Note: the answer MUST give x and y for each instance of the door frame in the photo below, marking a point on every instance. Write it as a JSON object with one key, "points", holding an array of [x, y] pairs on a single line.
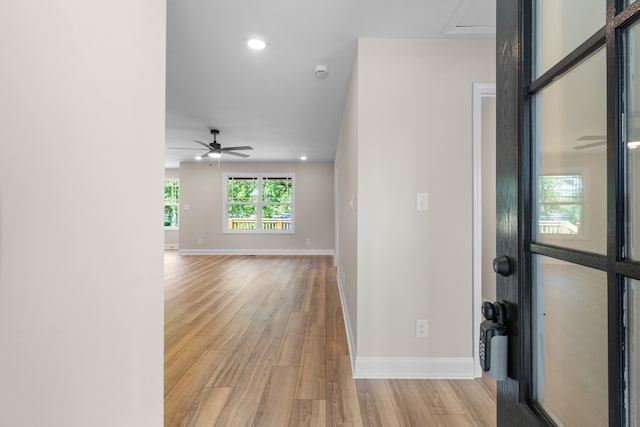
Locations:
{"points": [[480, 91]]}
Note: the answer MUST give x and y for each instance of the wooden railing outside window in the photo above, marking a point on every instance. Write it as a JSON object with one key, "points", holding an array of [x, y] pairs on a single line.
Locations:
{"points": [[267, 224]]}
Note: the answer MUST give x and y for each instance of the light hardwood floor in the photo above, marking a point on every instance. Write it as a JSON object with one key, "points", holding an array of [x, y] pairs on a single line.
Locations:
{"points": [[260, 341]]}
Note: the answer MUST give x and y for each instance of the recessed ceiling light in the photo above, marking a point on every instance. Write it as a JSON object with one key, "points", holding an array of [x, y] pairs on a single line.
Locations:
{"points": [[303, 157], [198, 157], [256, 44]]}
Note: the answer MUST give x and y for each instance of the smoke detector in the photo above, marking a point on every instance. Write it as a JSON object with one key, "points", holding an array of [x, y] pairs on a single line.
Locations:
{"points": [[321, 71]]}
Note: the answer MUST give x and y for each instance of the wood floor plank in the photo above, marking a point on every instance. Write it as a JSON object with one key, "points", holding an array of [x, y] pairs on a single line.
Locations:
{"points": [[261, 340], [208, 411], [291, 347], [177, 344], [336, 337], [376, 405], [236, 360], [277, 399], [243, 402], [230, 333], [440, 397], [309, 413], [178, 367], [477, 400], [309, 289], [453, 421], [224, 315], [277, 323], [410, 408], [182, 397], [342, 396], [312, 376], [317, 307], [268, 304]]}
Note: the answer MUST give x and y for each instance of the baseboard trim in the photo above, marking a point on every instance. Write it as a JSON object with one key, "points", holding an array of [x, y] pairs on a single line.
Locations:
{"points": [[414, 368], [255, 252], [347, 323], [171, 246]]}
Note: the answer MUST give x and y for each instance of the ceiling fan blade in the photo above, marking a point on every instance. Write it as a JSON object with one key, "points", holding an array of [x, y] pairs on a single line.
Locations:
{"points": [[233, 153], [592, 137], [589, 145], [244, 147], [203, 144]]}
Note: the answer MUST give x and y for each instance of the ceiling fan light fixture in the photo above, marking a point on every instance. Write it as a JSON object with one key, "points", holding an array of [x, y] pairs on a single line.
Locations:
{"points": [[214, 155], [632, 145], [321, 71], [256, 43]]}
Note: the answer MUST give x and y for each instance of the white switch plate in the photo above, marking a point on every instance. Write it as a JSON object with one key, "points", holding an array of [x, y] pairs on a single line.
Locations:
{"points": [[422, 201], [422, 329]]}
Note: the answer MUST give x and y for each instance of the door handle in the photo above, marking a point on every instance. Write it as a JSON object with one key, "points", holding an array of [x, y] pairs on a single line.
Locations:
{"points": [[502, 266]]}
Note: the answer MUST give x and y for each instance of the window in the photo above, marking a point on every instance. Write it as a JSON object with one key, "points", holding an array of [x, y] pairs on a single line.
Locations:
{"points": [[259, 203], [171, 203], [560, 204]]}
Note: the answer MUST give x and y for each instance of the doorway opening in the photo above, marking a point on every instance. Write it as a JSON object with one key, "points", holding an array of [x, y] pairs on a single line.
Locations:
{"points": [[484, 204]]}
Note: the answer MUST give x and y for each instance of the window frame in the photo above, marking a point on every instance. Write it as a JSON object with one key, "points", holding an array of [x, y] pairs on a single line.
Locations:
{"points": [[260, 177], [176, 204]]}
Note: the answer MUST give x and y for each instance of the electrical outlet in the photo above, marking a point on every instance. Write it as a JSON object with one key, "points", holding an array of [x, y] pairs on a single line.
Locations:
{"points": [[422, 329], [200, 240], [307, 241]]}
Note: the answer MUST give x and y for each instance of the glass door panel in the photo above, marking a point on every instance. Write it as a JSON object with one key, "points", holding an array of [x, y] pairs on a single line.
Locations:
{"points": [[561, 26], [632, 139], [570, 159], [632, 151], [571, 342], [633, 351]]}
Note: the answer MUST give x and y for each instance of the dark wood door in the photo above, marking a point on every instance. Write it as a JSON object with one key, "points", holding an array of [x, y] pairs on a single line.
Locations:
{"points": [[509, 147], [568, 197]]}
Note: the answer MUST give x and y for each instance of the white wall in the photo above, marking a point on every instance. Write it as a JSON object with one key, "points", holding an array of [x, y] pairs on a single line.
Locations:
{"points": [[414, 134], [346, 171], [201, 187], [81, 294]]}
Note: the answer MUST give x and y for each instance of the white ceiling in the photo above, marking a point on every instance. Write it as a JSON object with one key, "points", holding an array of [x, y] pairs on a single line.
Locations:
{"points": [[270, 99]]}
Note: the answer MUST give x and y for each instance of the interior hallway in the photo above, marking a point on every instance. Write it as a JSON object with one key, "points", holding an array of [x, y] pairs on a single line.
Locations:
{"points": [[260, 340]]}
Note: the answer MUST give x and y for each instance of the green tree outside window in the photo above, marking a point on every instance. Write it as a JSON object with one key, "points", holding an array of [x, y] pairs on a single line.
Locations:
{"points": [[171, 202]]}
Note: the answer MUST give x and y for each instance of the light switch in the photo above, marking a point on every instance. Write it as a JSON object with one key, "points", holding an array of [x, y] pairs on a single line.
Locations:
{"points": [[422, 201], [186, 206]]}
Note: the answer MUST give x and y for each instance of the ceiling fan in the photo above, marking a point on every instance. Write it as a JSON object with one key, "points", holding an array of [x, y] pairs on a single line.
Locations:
{"points": [[595, 141], [216, 150]]}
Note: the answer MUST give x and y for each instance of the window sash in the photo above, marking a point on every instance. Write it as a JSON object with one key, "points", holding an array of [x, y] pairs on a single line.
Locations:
{"points": [[265, 214], [172, 200], [561, 191]]}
